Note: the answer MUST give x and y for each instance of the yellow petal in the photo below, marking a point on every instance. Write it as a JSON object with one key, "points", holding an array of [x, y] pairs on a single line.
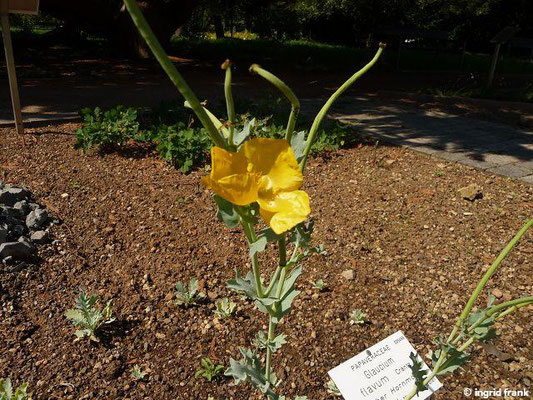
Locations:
{"points": [[275, 161], [229, 177], [285, 210], [225, 163]]}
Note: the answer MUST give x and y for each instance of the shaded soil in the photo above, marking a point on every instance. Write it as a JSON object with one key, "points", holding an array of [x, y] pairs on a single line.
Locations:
{"points": [[132, 227]]}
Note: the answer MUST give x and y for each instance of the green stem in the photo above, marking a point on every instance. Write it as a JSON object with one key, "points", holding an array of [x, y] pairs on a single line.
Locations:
{"points": [[172, 72], [486, 278], [219, 125], [289, 94], [513, 303], [322, 113], [273, 281], [249, 232], [230, 105], [511, 307], [282, 249]]}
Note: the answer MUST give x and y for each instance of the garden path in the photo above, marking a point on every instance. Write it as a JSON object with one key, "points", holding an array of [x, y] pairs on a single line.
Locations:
{"points": [[494, 147]]}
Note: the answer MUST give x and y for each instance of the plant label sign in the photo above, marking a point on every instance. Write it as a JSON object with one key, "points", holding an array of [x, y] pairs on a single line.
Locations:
{"points": [[381, 372]]}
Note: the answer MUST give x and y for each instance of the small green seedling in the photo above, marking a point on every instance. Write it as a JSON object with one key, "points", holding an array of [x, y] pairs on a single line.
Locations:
{"points": [[333, 389], [188, 295], [357, 317], [87, 317], [225, 308], [319, 285], [208, 370], [137, 373], [438, 173], [6, 391]]}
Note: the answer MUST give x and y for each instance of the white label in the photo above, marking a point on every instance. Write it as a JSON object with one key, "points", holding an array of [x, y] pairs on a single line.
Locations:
{"points": [[381, 372]]}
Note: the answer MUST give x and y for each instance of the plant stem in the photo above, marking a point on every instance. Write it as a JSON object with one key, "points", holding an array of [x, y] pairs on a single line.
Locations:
{"points": [[172, 72], [273, 280], [486, 278], [249, 232], [282, 249], [322, 113], [229, 100], [512, 309], [511, 306], [219, 125], [289, 94]]}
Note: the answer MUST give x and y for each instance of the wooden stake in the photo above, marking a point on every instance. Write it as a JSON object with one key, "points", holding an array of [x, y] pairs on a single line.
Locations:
{"points": [[10, 62]]}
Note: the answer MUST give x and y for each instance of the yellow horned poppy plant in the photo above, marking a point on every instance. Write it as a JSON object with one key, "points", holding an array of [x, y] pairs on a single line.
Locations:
{"points": [[266, 171]]}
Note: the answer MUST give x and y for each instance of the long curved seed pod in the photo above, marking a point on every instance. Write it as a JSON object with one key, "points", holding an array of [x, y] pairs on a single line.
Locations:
{"points": [[172, 72]]}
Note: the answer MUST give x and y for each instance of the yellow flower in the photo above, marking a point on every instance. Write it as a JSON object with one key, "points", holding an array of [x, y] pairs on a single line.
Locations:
{"points": [[266, 171]]}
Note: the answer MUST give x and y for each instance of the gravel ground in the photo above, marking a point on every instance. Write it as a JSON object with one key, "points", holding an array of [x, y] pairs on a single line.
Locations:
{"points": [[131, 227]]}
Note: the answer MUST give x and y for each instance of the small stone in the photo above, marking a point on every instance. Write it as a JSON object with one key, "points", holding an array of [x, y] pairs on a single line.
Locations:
{"points": [[22, 206], [36, 218], [497, 293], [64, 195], [348, 274], [40, 237], [11, 196], [20, 250], [471, 192]]}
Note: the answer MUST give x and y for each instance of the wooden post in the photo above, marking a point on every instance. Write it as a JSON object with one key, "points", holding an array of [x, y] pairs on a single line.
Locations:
{"points": [[495, 57], [10, 63]]}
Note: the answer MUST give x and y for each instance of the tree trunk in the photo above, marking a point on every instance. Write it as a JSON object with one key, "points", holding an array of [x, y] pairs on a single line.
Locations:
{"points": [[219, 27]]}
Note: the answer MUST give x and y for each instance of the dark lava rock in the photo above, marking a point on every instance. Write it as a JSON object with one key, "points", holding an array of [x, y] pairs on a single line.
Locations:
{"points": [[40, 237], [10, 196], [36, 219], [20, 250]]}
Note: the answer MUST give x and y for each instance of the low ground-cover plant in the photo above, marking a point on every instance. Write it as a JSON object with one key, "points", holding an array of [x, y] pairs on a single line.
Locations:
{"points": [[106, 128], [187, 295], [7, 393], [357, 317], [137, 373], [182, 146], [319, 285], [224, 308], [208, 370], [89, 318]]}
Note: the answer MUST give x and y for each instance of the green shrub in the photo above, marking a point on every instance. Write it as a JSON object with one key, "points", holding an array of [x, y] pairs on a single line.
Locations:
{"points": [[106, 128], [184, 147]]}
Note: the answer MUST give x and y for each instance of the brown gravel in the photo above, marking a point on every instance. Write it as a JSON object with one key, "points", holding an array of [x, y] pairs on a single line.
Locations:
{"points": [[132, 227]]}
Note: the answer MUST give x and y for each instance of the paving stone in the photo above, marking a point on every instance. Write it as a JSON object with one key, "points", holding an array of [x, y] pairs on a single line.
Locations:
{"points": [[511, 170], [528, 178], [477, 163]]}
